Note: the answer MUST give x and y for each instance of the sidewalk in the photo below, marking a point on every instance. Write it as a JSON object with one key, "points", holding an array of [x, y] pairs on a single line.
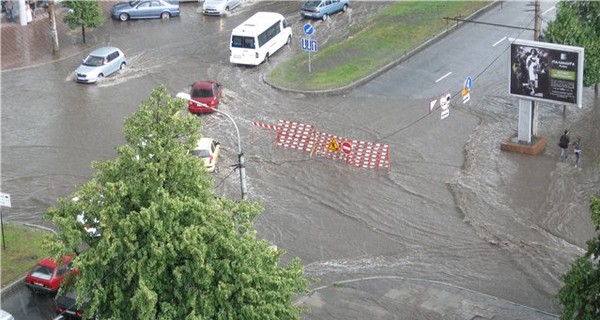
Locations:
{"points": [[31, 45]]}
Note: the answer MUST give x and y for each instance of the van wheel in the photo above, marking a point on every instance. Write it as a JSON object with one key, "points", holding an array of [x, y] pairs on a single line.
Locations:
{"points": [[266, 58], [123, 17], [324, 17], [345, 8], [165, 15], [289, 40], [123, 65]]}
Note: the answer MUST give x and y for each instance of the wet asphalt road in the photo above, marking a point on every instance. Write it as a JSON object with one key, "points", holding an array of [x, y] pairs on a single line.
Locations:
{"points": [[453, 208]]}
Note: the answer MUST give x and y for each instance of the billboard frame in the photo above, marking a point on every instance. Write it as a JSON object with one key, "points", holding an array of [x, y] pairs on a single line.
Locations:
{"points": [[545, 93]]}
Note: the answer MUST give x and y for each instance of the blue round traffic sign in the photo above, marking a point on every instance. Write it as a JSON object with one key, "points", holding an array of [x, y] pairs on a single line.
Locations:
{"points": [[308, 29], [468, 83]]}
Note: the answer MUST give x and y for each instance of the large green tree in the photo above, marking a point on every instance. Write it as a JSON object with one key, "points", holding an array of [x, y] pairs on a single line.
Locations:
{"points": [[83, 13], [580, 295], [577, 23], [168, 248]]}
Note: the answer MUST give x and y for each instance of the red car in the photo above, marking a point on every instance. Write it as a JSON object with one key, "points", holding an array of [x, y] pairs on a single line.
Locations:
{"points": [[47, 276], [207, 93]]}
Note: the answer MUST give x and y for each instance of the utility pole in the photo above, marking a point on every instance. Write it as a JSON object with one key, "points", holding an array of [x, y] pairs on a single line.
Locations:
{"points": [[53, 32]]}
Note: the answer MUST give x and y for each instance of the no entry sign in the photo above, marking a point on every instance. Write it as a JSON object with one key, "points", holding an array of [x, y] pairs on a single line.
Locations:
{"points": [[346, 147]]}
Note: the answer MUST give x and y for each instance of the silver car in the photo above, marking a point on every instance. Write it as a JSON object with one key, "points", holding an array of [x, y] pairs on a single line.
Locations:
{"points": [[100, 63], [219, 7]]}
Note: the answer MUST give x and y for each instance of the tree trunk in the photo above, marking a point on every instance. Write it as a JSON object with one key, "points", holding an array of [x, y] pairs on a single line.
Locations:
{"points": [[53, 33], [83, 32]]}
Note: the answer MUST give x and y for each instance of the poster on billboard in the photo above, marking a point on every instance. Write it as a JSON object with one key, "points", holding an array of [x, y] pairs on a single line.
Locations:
{"points": [[546, 72]]}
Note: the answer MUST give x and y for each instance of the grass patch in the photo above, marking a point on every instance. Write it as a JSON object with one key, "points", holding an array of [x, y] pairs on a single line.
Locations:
{"points": [[376, 42], [23, 250]]}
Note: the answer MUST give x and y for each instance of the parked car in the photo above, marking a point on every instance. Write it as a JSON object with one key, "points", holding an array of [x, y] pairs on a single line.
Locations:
{"points": [[219, 7], [207, 93], [68, 308], [145, 9], [100, 63], [46, 276], [92, 227], [5, 315], [322, 9], [208, 150]]}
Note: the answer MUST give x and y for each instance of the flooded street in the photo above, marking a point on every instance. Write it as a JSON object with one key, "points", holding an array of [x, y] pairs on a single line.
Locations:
{"points": [[453, 207]]}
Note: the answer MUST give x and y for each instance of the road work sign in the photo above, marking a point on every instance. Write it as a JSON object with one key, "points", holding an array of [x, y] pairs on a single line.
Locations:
{"points": [[333, 146]]}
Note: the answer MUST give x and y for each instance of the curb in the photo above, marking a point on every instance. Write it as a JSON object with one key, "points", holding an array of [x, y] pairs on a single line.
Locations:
{"points": [[17, 284], [426, 281], [349, 87]]}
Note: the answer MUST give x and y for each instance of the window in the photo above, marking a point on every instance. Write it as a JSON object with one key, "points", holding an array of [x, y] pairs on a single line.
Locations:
{"points": [[144, 5], [269, 34], [112, 56], [242, 42], [156, 4], [202, 93]]}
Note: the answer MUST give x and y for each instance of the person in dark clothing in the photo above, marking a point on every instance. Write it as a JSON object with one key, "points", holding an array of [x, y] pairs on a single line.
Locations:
{"points": [[563, 143]]}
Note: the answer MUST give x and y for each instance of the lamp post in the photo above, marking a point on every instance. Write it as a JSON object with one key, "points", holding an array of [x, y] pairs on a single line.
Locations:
{"points": [[241, 164]]}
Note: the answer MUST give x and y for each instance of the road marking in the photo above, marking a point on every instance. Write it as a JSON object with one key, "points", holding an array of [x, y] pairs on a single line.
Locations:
{"points": [[495, 44], [440, 79], [552, 8]]}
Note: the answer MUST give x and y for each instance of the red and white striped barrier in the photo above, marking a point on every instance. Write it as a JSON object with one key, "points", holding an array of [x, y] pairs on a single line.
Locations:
{"points": [[304, 137]]}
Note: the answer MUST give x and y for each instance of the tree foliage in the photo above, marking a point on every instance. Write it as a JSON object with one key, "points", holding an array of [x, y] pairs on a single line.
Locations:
{"points": [[577, 23], [169, 249], [83, 13], [580, 295]]}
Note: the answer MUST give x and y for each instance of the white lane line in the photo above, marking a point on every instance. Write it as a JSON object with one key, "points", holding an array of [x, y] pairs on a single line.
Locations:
{"points": [[495, 44], [552, 8], [440, 79]]}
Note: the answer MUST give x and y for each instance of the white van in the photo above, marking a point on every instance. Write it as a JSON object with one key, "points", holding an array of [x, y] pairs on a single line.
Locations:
{"points": [[257, 38]]}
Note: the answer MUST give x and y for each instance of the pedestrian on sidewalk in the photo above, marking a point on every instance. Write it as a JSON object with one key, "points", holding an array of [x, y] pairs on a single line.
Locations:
{"points": [[563, 143], [577, 148]]}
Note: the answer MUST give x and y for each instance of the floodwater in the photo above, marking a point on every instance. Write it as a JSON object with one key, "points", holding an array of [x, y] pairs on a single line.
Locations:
{"points": [[452, 208]]}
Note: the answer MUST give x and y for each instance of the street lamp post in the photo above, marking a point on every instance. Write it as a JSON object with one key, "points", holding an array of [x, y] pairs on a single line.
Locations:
{"points": [[241, 163]]}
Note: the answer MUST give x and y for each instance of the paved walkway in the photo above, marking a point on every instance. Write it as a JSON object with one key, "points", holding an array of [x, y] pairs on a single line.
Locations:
{"points": [[31, 45]]}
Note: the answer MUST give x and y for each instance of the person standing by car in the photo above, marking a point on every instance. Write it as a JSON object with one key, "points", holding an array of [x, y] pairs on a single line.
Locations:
{"points": [[577, 148], [563, 143]]}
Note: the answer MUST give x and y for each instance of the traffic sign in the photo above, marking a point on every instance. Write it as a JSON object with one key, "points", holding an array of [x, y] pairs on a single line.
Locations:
{"points": [[308, 29], [346, 147], [333, 145], [5, 199], [308, 44], [468, 84], [445, 113], [445, 101]]}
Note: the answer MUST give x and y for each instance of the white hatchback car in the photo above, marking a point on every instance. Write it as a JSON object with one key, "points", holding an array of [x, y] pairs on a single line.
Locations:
{"points": [[219, 7], [100, 63]]}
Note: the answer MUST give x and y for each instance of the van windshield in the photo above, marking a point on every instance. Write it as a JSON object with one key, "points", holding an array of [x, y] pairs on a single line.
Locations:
{"points": [[242, 42]]}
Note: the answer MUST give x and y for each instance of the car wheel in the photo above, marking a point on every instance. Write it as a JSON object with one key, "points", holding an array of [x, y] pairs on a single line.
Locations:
{"points": [[123, 65], [289, 40], [165, 15], [100, 76], [345, 8], [123, 17], [266, 58], [324, 17]]}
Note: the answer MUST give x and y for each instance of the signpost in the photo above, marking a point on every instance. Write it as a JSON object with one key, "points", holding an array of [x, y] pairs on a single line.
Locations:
{"points": [[466, 91], [309, 44], [4, 202], [445, 105]]}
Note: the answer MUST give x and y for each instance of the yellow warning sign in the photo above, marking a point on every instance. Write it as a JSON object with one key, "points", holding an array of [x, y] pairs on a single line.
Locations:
{"points": [[333, 145]]}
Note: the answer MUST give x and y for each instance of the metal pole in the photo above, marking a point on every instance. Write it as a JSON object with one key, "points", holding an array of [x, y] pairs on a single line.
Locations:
{"points": [[53, 33], [241, 164], [3, 234]]}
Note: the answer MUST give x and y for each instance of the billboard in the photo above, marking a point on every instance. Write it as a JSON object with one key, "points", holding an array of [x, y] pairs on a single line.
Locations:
{"points": [[546, 72]]}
